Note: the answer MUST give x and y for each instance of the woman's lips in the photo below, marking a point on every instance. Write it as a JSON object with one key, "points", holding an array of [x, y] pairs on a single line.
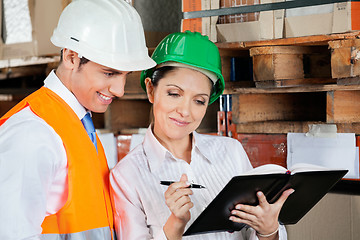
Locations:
{"points": [[179, 123]]}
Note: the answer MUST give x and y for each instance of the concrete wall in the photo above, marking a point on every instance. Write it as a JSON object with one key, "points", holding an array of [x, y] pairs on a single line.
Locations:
{"points": [[160, 15]]}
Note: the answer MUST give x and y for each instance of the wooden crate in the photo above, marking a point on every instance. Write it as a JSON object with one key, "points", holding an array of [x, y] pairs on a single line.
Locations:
{"points": [[279, 107], [282, 110], [284, 66], [298, 61], [334, 106], [343, 106], [296, 84]]}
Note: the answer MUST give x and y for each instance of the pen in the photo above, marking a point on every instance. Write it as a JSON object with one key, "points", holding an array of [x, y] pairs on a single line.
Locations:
{"points": [[192, 185]]}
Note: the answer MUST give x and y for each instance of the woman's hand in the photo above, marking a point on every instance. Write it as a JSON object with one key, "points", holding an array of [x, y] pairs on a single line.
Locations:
{"points": [[263, 217], [178, 200]]}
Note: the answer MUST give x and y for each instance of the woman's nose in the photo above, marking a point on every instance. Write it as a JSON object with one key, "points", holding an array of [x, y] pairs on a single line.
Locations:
{"points": [[184, 107]]}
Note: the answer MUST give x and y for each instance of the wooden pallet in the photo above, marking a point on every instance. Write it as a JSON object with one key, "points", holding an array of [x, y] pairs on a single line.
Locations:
{"points": [[282, 110], [290, 62], [299, 81], [318, 40], [284, 66], [345, 61], [32, 66]]}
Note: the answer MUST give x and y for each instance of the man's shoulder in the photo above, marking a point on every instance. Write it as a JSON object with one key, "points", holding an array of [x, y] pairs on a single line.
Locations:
{"points": [[25, 124], [24, 118]]}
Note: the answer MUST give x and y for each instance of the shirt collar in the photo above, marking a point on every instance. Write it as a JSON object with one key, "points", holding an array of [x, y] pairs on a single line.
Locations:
{"points": [[154, 151], [157, 153], [201, 143], [53, 83]]}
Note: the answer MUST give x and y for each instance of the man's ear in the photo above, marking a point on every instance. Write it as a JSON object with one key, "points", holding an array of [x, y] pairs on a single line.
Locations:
{"points": [[149, 89], [70, 59]]}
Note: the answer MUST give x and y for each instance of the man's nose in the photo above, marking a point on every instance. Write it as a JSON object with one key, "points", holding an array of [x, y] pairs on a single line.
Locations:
{"points": [[117, 86]]}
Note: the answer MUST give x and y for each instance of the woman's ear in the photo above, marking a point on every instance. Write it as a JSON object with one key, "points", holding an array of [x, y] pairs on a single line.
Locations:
{"points": [[149, 89], [70, 59]]}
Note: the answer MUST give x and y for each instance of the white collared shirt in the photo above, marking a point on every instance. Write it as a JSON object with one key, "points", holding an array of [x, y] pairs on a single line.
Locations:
{"points": [[33, 169], [140, 210]]}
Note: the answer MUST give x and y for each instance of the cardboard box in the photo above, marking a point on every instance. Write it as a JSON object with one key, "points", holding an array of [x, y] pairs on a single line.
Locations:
{"points": [[44, 17], [296, 22], [322, 19], [269, 26]]}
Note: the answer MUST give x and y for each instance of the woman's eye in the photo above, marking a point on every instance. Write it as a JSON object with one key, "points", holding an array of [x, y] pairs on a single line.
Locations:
{"points": [[172, 94], [200, 102]]}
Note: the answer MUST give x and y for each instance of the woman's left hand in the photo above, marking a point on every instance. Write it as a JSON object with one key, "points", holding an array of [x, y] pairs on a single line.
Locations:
{"points": [[263, 217]]}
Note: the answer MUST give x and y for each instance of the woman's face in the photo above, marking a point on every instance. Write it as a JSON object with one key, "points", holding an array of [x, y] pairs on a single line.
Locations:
{"points": [[179, 102]]}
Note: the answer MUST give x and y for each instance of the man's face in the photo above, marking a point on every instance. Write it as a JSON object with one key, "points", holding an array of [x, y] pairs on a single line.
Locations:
{"points": [[95, 86]]}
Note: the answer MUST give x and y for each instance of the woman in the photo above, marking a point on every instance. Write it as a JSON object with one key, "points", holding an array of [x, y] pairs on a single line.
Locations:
{"points": [[186, 79]]}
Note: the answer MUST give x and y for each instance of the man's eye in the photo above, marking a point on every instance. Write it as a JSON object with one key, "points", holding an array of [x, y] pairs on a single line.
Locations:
{"points": [[109, 74]]}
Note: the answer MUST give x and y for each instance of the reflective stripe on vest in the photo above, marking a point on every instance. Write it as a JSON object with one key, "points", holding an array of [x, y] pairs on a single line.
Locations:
{"points": [[98, 233], [88, 207]]}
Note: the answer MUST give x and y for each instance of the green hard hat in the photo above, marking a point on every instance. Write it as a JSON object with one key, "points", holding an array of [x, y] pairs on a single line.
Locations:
{"points": [[189, 48]]}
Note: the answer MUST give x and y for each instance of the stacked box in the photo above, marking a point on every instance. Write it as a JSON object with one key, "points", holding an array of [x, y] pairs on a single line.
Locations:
{"points": [[322, 19], [233, 28], [295, 22], [46, 16], [254, 26]]}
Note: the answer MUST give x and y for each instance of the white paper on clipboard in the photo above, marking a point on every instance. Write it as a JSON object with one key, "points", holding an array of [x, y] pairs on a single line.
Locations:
{"points": [[339, 152]]}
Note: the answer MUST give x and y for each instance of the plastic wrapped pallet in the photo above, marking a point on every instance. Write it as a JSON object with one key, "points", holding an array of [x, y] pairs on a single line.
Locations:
{"points": [[242, 17], [17, 22], [17, 32]]}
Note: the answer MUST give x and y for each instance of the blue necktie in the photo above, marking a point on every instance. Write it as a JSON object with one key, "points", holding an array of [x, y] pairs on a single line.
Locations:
{"points": [[89, 127]]}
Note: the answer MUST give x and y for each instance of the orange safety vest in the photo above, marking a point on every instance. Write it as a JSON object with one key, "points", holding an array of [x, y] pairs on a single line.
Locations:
{"points": [[87, 211]]}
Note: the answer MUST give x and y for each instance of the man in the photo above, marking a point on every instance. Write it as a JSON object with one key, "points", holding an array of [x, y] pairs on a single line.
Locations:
{"points": [[53, 171]]}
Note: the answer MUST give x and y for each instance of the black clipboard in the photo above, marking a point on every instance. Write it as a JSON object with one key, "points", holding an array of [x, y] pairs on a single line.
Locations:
{"points": [[309, 187]]}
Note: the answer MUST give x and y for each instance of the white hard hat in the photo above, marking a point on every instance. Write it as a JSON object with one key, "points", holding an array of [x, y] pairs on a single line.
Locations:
{"points": [[108, 32]]}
